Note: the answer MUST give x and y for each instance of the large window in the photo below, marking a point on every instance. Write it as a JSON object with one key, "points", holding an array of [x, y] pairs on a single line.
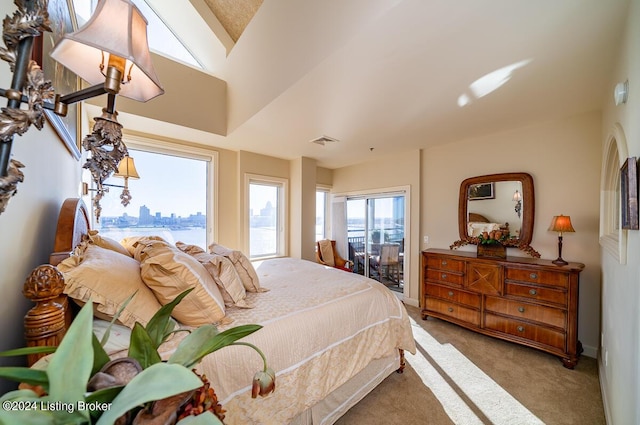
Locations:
{"points": [[172, 198], [322, 214], [266, 216]]}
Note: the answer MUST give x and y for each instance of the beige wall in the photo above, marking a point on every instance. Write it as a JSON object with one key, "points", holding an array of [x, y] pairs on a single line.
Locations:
{"points": [[397, 171], [620, 376], [563, 158], [27, 226]]}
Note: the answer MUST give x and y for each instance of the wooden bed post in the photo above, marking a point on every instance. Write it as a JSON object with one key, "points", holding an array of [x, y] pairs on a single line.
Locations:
{"points": [[46, 323]]}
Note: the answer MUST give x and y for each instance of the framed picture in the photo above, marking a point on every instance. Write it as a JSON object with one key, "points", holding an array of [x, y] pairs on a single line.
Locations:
{"points": [[481, 191], [63, 20], [629, 194]]}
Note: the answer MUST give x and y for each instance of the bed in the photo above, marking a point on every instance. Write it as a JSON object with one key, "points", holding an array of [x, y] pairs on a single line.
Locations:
{"points": [[330, 336], [478, 223]]}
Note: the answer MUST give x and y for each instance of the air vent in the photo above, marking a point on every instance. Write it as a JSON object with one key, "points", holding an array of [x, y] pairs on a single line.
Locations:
{"points": [[323, 139]]}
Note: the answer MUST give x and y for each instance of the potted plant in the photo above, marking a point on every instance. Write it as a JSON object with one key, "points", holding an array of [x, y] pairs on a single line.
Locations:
{"points": [[82, 385]]}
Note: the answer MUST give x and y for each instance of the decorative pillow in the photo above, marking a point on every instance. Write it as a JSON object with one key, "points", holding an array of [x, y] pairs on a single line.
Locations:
{"points": [[130, 243], [169, 272], [108, 278], [223, 273], [242, 265], [108, 243]]}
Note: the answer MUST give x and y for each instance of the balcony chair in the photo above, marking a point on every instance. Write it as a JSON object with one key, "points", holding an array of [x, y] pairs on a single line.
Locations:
{"points": [[327, 254]]}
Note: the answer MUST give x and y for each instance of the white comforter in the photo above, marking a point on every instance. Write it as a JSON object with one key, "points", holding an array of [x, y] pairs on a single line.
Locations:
{"points": [[321, 327]]}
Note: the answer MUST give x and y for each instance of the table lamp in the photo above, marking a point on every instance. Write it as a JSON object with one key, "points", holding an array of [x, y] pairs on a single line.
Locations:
{"points": [[560, 223]]}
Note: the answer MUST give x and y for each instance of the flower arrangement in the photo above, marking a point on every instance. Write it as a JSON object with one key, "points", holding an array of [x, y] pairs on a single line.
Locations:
{"points": [[82, 385], [496, 237]]}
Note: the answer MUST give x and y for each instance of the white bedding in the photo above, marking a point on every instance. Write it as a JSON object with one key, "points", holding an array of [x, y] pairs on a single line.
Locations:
{"points": [[321, 327], [330, 336]]}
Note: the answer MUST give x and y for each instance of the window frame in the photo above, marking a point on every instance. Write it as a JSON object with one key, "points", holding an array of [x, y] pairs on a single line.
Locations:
{"points": [[327, 210], [159, 146], [282, 248], [613, 238]]}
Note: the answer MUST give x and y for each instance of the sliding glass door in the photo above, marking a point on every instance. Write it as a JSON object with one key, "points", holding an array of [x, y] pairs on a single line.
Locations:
{"points": [[375, 237]]}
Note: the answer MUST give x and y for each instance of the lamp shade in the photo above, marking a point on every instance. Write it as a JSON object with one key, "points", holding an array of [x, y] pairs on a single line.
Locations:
{"points": [[517, 196], [561, 223], [127, 169], [117, 27]]}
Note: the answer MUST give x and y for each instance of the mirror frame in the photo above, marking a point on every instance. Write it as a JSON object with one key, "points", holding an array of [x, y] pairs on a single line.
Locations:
{"points": [[528, 202]]}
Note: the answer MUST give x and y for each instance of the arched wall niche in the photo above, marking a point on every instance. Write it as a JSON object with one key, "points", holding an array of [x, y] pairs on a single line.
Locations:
{"points": [[613, 239]]}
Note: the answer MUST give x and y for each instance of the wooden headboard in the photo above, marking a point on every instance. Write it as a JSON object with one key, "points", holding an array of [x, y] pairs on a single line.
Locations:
{"points": [[478, 218], [47, 322]]}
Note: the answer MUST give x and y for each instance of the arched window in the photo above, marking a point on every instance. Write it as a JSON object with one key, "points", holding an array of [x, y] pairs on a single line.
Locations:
{"points": [[613, 238]]}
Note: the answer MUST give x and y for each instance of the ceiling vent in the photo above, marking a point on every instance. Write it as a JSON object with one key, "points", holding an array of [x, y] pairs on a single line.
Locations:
{"points": [[322, 140]]}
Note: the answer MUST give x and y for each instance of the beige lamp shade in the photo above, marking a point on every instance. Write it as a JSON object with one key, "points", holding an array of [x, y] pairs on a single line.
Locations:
{"points": [[561, 223], [517, 196], [127, 169], [117, 27]]}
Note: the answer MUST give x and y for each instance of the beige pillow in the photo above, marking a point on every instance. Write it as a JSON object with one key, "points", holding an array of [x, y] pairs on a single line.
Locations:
{"points": [[108, 243], [132, 242], [223, 273], [169, 272], [108, 278], [243, 266]]}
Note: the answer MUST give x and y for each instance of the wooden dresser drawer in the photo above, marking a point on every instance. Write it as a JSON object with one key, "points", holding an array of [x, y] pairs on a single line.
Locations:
{"points": [[537, 333], [528, 301], [448, 264], [453, 310], [445, 277], [450, 294], [538, 293], [539, 277], [521, 310]]}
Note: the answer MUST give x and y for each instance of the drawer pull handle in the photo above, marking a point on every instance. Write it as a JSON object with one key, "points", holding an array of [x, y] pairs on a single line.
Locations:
{"points": [[521, 309], [533, 275], [520, 328], [533, 292], [444, 276], [450, 309], [450, 293], [444, 262]]}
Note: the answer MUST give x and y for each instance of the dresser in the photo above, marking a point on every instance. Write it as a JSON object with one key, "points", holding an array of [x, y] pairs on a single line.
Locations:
{"points": [[528, 301]]}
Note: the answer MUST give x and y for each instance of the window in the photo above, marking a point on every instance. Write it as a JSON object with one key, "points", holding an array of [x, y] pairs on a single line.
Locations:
{"points": [[172, 198], [322, 214], [266, 216], [612, 237]]}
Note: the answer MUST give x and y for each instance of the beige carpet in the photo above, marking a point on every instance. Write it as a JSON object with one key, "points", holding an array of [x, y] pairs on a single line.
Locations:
{"points": [[461, 377]]}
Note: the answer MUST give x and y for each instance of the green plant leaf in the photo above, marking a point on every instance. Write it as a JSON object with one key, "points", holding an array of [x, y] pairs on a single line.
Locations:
{"points": [[70, 367], [27, 350], [142, 348], [100, 356], [204, 418], [158, 381], [107, 332], [27, 375], [206, 339], [105, 395], [160, 325]]}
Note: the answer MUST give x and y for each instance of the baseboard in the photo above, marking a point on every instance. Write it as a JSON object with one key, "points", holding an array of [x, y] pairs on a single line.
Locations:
{"points": [[603, 393], [590, 351], [411, 301]]}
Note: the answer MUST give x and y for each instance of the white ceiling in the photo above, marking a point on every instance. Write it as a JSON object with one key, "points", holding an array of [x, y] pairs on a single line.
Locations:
{"points": [[387, 74]]}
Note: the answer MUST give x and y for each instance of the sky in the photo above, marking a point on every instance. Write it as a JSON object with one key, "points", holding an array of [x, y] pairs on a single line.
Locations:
{"points": [[160, 175]]}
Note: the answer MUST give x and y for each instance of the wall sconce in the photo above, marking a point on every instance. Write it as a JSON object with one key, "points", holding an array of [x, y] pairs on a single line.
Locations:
{"points": [[126, 170], [115, 38], [517, 198], [560, 223]]}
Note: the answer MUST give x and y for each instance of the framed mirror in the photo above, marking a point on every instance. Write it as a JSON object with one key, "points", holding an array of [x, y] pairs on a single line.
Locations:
{"points": [[497, 201]]}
